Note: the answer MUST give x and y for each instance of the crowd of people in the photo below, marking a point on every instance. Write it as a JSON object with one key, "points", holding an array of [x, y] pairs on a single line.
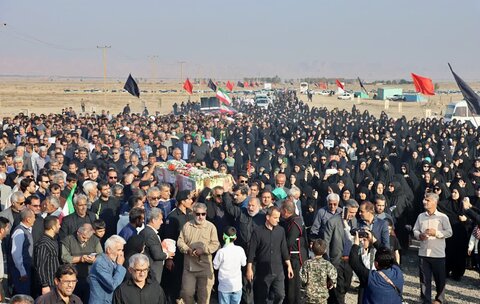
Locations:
{"points": [[314, 197]]}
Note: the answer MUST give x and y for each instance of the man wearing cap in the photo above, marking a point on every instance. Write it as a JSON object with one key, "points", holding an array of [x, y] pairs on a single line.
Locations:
{"points": [[198, 240]]}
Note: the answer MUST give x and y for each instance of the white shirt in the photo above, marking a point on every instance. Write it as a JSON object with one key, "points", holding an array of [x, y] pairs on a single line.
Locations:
{"points": [[229, 261], [434, 246]]}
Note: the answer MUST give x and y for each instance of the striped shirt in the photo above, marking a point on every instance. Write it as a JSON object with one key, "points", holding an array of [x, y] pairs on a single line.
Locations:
{"points": [[46, 260]]}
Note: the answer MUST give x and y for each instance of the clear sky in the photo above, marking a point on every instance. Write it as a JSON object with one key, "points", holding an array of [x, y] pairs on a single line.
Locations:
{"points": [[373, 39]]}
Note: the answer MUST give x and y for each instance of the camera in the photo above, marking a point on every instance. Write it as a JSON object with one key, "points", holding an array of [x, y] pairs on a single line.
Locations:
{"points": [[362, 233]]}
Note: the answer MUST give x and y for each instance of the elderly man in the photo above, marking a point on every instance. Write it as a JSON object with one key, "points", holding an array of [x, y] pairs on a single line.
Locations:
{"points": [[81, 249], [5, 192], [65, 283], [153, 243], [153, 196], [139, 288], [12, 213], [107, 273], [198, 240], [81, 216], [22, 253], [432, 228], [324, 214]]}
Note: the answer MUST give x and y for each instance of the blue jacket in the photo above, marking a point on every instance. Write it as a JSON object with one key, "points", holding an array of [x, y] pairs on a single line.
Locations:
{"points": [[376, 288], [105, 275]]}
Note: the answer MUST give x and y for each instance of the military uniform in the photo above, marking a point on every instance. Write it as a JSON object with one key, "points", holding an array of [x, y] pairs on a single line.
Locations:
{"points": [[314, 274]]}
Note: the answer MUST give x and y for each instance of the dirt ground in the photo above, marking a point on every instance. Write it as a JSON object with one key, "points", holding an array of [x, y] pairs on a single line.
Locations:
{"points": [[50, 96]]}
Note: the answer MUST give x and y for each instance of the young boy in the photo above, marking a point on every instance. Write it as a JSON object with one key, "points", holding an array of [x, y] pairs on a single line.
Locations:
{"points": [[99, 230], [315, 273], [229, 262]]}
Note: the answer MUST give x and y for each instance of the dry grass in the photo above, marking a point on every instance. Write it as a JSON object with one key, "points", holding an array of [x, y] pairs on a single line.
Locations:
{"points": [[43, 96]]}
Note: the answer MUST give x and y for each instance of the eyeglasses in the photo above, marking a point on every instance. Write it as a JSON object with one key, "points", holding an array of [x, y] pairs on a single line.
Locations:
{"points": [[113, 177], [72, 282], [200, 213], [140, 270]]}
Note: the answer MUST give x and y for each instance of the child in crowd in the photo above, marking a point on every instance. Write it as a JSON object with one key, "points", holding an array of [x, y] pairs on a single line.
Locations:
{"points": [[394, 243], [99, 230], [229, 261], [318, 275]]}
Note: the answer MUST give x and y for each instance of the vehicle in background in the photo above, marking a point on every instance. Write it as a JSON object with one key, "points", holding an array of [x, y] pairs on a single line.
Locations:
{"points": [[322, 92], [459, 111], [397, 97], [303, 87], [345, 96], [263, 101]]}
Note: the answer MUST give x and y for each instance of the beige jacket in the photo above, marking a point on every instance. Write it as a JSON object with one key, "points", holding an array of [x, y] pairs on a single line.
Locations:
{"points": [[195, 236]]}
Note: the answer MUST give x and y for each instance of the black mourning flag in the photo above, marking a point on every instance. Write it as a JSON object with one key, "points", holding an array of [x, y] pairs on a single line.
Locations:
{"points": [[361, 85], [131, 86], [472, 99], [240, 84], [212, 85]]}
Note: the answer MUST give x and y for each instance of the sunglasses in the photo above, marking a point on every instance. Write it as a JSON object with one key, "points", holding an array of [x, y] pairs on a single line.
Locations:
{"points": [[112, 177], [243, 181], [201, 214]]}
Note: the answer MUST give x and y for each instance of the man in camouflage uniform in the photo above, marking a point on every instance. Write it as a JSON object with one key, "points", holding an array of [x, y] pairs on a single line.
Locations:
{"points": [[315, 273]]}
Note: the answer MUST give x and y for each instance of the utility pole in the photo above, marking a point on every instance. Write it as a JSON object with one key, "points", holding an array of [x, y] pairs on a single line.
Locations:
{"points": [[181, 70], [104, 56], [153, 73]]}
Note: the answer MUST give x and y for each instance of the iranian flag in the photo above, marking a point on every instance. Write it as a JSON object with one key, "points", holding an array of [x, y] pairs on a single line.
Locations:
{"points": [[68, 207], [222, 95]]}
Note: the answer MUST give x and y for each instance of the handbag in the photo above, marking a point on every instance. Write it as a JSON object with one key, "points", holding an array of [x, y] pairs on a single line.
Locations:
{"points": [[384, 276]]}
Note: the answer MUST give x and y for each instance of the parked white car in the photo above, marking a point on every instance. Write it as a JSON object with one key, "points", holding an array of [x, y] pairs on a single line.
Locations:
{"points": [[345, 96]]}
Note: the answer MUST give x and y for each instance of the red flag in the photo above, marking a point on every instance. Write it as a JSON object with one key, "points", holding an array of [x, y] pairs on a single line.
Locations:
{"points": [[340, 85], [229, 85], [187, 85], [245, 84], [423, 85]]}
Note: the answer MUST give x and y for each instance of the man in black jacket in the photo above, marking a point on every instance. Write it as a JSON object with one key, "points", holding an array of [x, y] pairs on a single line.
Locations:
{"points": [[246, 221], [297, 247], [72, 222], [153, 244], [140, 288]]}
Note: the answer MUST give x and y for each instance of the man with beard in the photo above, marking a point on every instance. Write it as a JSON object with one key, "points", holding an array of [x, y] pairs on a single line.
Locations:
{"points": [[268, 248], [297, 247], [198, 241], [246, 221]]}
